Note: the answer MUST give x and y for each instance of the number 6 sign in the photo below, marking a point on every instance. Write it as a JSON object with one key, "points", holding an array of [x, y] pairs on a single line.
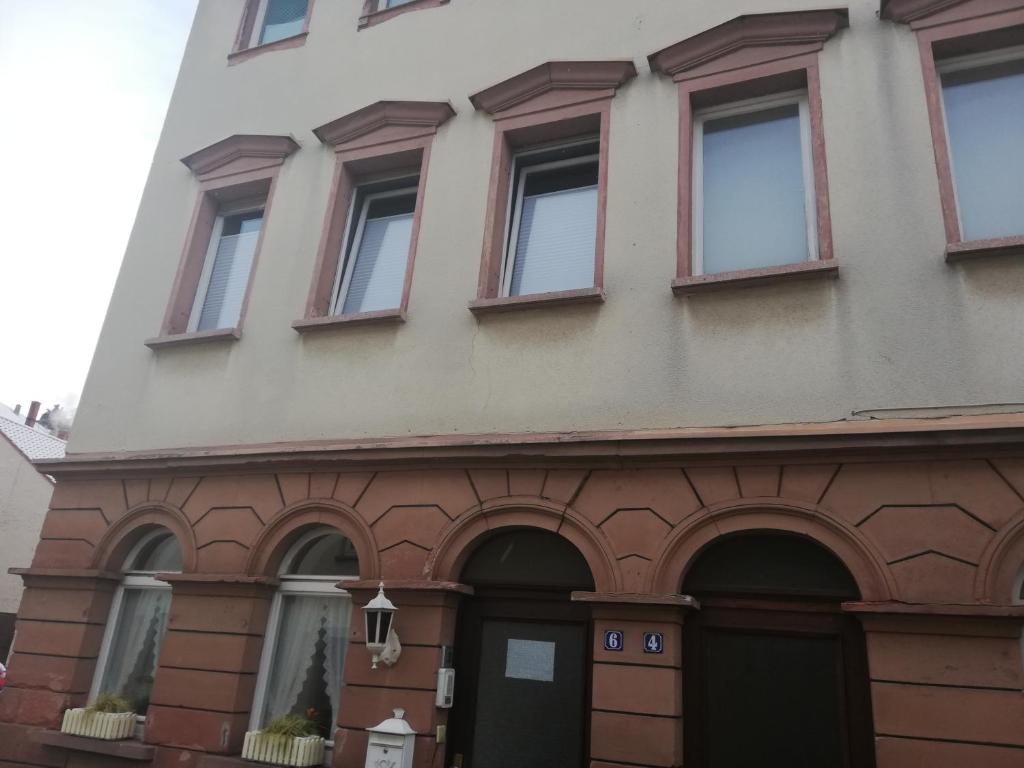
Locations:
{"points": [[613, 640]]}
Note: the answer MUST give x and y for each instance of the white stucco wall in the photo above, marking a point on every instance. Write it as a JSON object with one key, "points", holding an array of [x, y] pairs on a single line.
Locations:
{"points": [[24, 498], [900, 328]]}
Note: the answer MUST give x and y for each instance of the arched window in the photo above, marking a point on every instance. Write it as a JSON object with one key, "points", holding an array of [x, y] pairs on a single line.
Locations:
{"points": [[304, 648], [138, 619]]}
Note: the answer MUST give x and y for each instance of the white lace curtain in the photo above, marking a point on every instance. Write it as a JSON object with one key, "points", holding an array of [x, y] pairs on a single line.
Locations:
{"points": [[135, 648]]}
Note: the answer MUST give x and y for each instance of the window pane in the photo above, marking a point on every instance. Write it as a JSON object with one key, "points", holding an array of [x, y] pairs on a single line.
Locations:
{"points": [[306, 668], [328, 555], [985, 119], [131, 663], [753, 191], [162, 554], [557, 231], [395, 3], [223, 303], [284, 18], [378, 276]]}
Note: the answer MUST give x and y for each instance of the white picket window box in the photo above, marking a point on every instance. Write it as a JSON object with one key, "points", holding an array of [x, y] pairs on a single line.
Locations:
{"points": [[283, 750], [109, 726]]}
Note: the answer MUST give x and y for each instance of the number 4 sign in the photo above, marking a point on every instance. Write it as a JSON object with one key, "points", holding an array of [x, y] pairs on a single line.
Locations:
{"points": [[654, 642]]}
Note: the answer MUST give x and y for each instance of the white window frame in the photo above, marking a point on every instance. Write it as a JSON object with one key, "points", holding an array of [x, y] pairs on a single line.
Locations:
{"points": [[746, 107], [961, 64], [292, 584], [517, 185], [211, 256], [257, 27], [350, 253], [130, 580]]}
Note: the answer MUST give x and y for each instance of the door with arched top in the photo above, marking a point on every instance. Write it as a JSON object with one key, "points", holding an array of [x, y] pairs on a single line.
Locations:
{"points": [[521, 656], [774, 673]]}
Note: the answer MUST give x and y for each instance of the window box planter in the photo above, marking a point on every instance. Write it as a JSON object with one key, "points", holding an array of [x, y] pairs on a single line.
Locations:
{"points": [[283, 750], [109, 726]]}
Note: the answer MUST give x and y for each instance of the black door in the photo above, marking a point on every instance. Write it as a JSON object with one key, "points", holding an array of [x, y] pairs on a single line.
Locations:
{"points": [[521, 676]]}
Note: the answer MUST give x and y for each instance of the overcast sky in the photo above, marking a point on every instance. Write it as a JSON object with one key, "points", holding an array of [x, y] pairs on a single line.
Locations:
{"points": [[84, 86]]}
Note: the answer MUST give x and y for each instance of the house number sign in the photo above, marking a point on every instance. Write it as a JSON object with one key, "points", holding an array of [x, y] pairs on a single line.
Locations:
{"points": [[654, 642], [613, 640]]}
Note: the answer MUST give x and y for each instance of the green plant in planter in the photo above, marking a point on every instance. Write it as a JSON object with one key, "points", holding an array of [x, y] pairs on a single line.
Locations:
{"points": [[291, 726], [110, 703]]}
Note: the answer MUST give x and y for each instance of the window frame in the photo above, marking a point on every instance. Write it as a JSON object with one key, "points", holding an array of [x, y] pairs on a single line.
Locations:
{"points": [[250, 29], [517, 185], [376, 11], [965, 63], [130, 579], [223, 212], [293, 584], [352, 242], [750, 107]]}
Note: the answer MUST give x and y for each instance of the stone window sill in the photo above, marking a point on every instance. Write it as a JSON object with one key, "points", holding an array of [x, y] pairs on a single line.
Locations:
{"points": [[379, 17], [128, 749], [976, 249], [379, 317], [536, 301], [198, 337], [242, 54], [749, 278]]}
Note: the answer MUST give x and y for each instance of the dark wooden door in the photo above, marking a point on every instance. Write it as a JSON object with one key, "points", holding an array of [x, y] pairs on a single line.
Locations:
{"points": [[775, 683], [521, 683]]}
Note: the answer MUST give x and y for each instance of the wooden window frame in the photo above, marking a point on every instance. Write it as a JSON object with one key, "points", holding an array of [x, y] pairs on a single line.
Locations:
{"points": [[245, 45], [384, 141], [556, 103], [239, 168], [375, 11], [753, 56], [946, 31]]}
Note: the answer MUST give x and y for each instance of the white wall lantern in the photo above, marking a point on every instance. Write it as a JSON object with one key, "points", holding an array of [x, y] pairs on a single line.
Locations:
{"points": [[381, 638]]}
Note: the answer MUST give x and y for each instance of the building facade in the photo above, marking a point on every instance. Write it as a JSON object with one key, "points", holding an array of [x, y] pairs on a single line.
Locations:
{"points": [[661, 360]]}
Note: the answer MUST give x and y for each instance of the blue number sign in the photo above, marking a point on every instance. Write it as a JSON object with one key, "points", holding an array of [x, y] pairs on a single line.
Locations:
{"points": [[613, 640], [654, 642]]}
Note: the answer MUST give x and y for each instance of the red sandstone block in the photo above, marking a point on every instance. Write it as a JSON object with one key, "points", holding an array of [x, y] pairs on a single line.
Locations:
{"points": [[59, 639], [714, 484], [415, 624], [17, 746], [948, 713], [489, 483], [621, 738], [107, 495], [36, 707], [71, 605], [215, 732], [54, 673], [85, 524], [447, 488], [914, 753], [216, 613], [644, 690], [946, 659], [806, 482], [416, 669], [526, 482], [201, 689], [209, 651], [177, 758], [52, 553], [758, 481], [364, 707], [563, 484]]}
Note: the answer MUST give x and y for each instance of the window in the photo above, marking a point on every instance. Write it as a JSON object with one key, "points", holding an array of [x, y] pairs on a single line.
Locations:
{"points": [[395, 3], [138, 618], [279, 20], [225, 277], [377, 249], [983, 100], [552, 233], [753, 185], [377, 11], [307, 635]]}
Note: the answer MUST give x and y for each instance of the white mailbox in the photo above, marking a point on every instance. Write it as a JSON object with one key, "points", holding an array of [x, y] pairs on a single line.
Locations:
{"points": [[391, 743]]}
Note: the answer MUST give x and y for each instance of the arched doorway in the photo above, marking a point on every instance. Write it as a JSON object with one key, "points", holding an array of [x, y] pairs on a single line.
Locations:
{"points": [[774, 674], [521, 655]]}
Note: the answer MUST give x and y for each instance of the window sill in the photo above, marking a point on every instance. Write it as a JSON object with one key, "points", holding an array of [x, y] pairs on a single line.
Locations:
{"points": [[127, 749], [749, 278], [536, 301], [278, 45], [379, 17], [379, 317], [198, 337], [976, 249]]}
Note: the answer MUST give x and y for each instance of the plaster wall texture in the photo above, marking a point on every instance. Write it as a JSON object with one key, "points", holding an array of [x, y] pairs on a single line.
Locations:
{"points": [[900, 328], [24, 498]]}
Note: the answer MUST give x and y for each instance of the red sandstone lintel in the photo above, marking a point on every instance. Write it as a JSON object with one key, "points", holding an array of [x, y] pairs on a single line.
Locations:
{"points": [[406, 585], [635, 598], [536, 300], [976, 249], [554, 75], [749, 278]]}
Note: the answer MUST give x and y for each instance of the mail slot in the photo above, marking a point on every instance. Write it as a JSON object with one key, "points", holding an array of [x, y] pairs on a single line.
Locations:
{"points": [[391, 743]]}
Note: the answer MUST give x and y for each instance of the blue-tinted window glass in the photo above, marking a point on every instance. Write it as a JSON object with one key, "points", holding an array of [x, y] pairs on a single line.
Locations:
{"points": [[753, 191], [284, 18], [985, 121]]}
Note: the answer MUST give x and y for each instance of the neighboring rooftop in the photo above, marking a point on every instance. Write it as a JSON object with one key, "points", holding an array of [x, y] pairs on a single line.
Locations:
{"points": [[34, 442]]}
